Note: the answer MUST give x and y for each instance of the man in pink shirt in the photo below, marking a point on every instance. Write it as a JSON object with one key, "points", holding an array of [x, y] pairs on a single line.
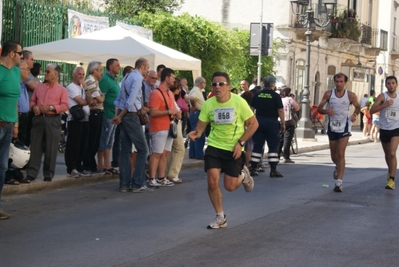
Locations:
{"points": [[48, 101]]}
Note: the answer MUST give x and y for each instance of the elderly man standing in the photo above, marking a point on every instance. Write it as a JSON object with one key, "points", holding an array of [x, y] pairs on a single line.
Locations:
{"points": [[10, 76], [78, 130], [149, 86], [48, 101], [162, 107], [110, 88], [30, 83], [96, 116], [129, 101], [196, 100]]}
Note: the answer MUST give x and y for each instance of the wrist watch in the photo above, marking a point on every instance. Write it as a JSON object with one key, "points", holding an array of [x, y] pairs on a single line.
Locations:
{"points": [[51, 108], [242, 143]]}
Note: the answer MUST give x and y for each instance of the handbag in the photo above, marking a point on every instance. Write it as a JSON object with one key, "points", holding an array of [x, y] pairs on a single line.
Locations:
{"points": [[173, 128], [142, 116], [77, 113], [173, 122], [182, 103], [140, 112]]}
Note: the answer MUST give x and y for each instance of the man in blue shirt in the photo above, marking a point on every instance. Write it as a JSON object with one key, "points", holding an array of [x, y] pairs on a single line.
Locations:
{"points": [[129, 101]]}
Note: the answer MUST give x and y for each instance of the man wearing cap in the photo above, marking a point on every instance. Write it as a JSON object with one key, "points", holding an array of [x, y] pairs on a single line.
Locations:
{"points": [[269, 107]]}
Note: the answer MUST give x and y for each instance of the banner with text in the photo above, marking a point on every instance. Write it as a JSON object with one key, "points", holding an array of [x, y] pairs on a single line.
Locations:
{"points": [[143, 32], [79, 24]]}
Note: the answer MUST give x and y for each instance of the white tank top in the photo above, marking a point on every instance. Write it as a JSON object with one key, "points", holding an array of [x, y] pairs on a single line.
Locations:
{"points": [[389, 117], [341, 118]]}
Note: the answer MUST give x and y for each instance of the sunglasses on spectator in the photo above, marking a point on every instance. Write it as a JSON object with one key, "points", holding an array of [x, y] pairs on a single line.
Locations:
{"points": [[219, 83], [19, 53]]}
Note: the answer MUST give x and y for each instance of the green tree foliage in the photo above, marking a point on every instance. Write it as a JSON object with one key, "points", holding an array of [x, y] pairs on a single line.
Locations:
{"points": [[133, 7], [218, 48]]}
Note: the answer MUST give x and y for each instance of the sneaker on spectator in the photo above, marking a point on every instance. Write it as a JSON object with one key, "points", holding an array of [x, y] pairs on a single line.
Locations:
{"points": [[74, 174], [264, 166], [143, 189], [124, 189], [259, 169], [4, 216], [219, 222], [253, 172], [164, 182], [153, 183], [85, 173], [99, 172]]}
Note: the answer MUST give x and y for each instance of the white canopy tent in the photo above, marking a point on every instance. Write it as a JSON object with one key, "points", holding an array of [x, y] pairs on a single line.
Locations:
{"points": [[115, 42]]}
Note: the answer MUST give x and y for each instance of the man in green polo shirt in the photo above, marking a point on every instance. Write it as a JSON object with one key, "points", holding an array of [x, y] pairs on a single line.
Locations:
{"points": [[10, 76], [110, 88]]}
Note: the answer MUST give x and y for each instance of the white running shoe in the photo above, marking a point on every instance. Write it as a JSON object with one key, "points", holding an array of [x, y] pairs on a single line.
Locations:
{"points": [[219, 222], [248, 181], [164, 182]]}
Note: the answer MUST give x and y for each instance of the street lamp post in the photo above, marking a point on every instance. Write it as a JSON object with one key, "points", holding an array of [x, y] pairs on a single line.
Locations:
{"points": [[307, 20]]}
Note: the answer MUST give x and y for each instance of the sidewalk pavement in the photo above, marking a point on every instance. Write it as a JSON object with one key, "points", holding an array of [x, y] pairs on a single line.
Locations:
{"points": [[60, 179]]}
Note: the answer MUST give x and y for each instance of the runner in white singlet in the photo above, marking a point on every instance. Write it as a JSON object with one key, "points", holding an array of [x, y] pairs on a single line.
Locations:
{"points": [[388, 105], [340, 121]]}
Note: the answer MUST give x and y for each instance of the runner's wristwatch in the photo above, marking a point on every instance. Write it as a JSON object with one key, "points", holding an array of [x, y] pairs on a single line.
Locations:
{"points": [[242, 143]]}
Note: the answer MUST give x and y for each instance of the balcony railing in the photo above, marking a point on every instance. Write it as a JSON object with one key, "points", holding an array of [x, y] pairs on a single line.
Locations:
{"points": [[376, 38], [366, 34], [395, 44], [320, 12], [346, 28]]}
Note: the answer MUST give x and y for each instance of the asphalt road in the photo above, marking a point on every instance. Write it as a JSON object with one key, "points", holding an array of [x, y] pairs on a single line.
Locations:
{"points": [[293, 221]]}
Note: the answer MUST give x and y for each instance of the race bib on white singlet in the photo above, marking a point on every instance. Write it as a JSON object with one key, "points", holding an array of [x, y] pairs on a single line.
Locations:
{"points": [[224, 115], [338, 125], [392, 114]]}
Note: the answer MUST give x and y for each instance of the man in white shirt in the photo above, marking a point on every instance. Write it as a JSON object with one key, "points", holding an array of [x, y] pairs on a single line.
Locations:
{"points": [[78, 131]]}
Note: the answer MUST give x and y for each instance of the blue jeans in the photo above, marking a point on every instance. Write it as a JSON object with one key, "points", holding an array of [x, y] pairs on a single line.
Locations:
{"points": [[132, 132], [5, 141], [197, 147], [269, 131], [107, 134]]}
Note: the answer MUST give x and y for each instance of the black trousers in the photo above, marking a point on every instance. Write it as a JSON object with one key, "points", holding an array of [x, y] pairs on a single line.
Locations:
{"points": [[29, 127], [23, 121], [93, 142], [284, 145], [76, 146], [361, 121], [116, 148]]}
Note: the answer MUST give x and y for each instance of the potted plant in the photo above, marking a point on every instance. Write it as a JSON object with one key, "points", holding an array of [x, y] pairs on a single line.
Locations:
{"points": [[334, 17]]}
